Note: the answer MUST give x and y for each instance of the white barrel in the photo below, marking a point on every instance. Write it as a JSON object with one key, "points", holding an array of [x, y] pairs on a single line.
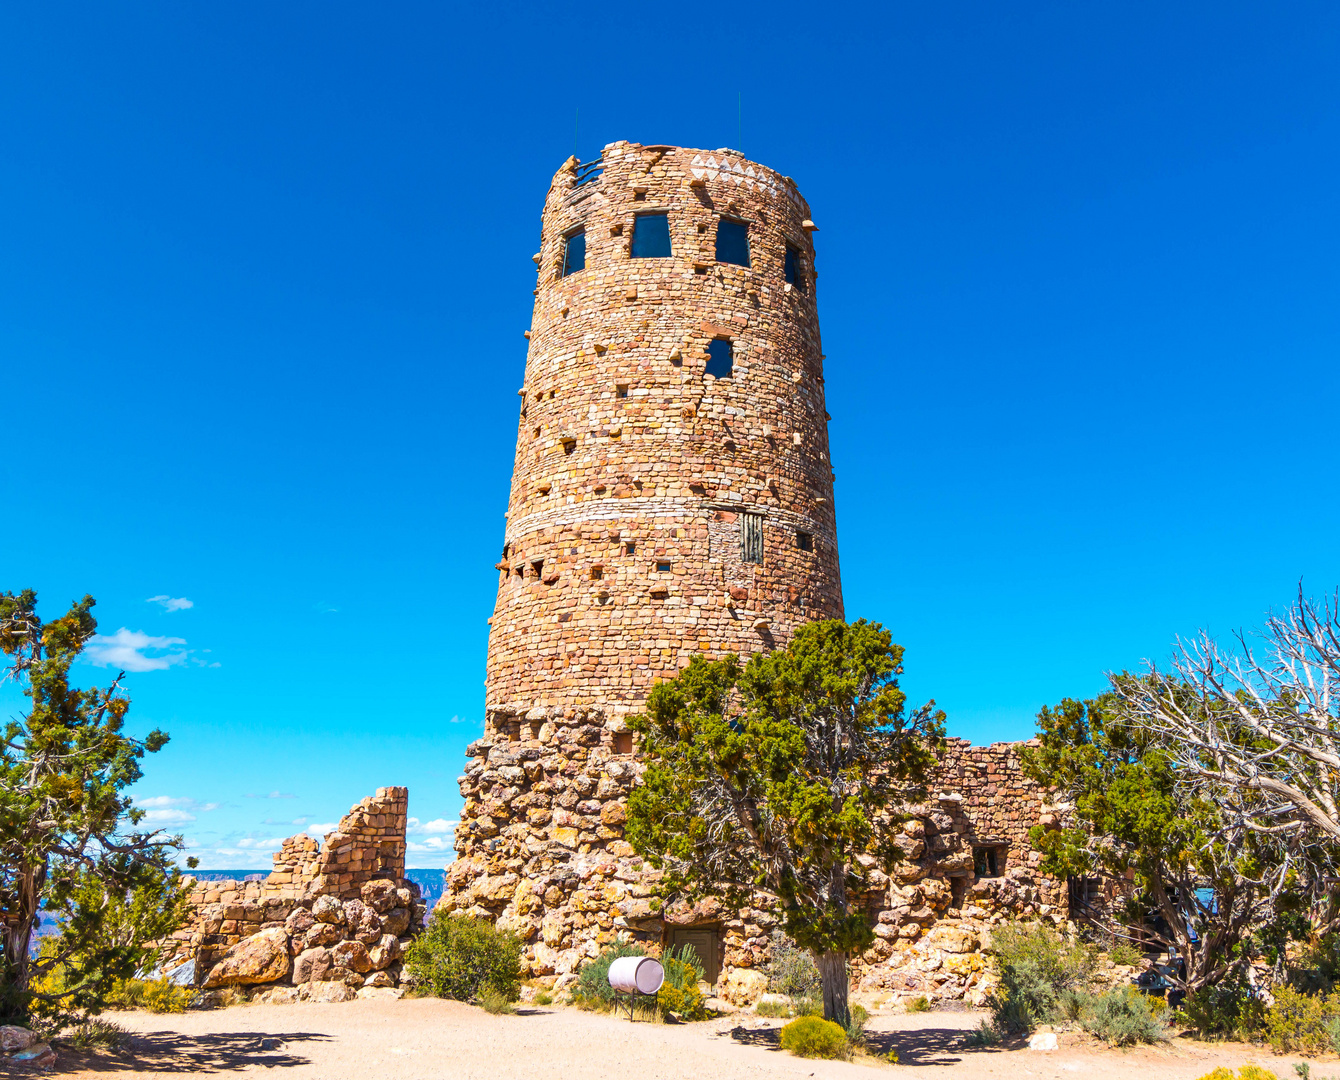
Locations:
{"points": [[636, 974]]}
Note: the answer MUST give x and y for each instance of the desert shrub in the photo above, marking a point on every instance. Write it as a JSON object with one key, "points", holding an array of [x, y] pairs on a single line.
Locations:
{"points": [[458, 957], [774, 1009], [1072, 1004], [1247, 1072], [857, 1017], [791, 969], [811, 1036], [1125, 955], [809, 1005], [492, 1001], [1036, 965], [94, 1034], [679, 994], [165, 996], [544, 998], [126, 994], [919, 1004], [1125, 1017], [1228, 1008], [984, 1034], [593, 990], [1298, 1023]]}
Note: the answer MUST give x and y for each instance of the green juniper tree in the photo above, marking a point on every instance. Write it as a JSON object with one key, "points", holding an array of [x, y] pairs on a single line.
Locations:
{"points": [[69, 836], [781, 776]]}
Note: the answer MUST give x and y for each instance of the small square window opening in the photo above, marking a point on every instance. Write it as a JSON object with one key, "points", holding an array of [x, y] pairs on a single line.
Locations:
{"points": [[538, 567], [795, 269], [663, 568], [597, 572], [804, 541], [651, 236], [630, 548], [720, 358], [621, 391], [988, 861], [623, 742], [574, 252], [733, 242], [569, 445]]}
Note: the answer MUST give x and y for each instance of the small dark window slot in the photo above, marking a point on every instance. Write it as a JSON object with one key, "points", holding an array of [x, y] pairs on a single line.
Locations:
{"points": [[751, 538], [630, 548], [597, 572], [733, 242], [988, 861], [720, 358], [569, 445], [663, 568], [621, 391], [574, 252], [538, 567], [804, 541], [623, 742], [651, 236], [795, 268]]}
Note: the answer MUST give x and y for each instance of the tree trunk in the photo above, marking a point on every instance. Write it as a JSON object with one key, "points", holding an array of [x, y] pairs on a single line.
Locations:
{"points": [[28, 888], [833, 973]]}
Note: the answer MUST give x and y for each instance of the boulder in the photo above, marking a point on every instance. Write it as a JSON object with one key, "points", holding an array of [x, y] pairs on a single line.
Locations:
{"points": [[385, 952], [39, 1054], [362, 922], [742, 987], [380, 895], [299, 921], [322, 934], [14, 1038], [327, 909], [322, 992], [261, 958], [396, 921], [378, 979], [352, 955], [278, 995], [312, 965], [391, 992]]}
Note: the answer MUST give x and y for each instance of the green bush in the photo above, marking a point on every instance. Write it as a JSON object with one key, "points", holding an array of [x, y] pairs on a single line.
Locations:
{"points": [[919, 1004], [857, 1017], [774, 1009], [811, 1036], [156, 995], [1036, 964], [984, 1034], [544, 998], [1125, 1017], [679, 994], [458, 957], [1125, 955], [94, 1034], [593, 990], [809, 1005], [1247, 1072], [791, 969], [491, 1001], [1227, 1008], [1299, 1023]]}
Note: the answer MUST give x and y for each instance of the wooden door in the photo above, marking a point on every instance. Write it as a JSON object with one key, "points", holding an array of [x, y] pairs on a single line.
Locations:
{"points": [[705, 944]]}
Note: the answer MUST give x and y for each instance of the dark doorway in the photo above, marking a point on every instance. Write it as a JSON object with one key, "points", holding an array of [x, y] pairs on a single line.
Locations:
{"points": [[704, 940]]}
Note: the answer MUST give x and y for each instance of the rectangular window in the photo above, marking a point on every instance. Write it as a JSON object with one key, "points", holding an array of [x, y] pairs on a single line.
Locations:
{"points": [[663, 568], [569, 445], [630, 548], [720, 358], [733, 242], [751, 537], [804, 541], [621, 391], [623, 742], [574, 252], [795, 269], [651, 236], [988, 861], [597, 572]]}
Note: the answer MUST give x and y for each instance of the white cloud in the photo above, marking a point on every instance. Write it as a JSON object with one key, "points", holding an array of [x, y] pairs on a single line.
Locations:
{"points": [[440, 825], [168, 816], [320, 830], [171, 603], [130, 649], [433, 845], [158, 802], [252, 844], [271, 795]]}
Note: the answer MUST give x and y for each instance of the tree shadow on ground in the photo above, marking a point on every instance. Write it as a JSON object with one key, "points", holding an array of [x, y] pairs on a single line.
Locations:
{"points": [[175, 1052], [920, 1046]]}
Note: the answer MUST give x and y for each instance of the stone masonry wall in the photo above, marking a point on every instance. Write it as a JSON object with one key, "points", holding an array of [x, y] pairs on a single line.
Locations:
{"points": [[330, 919], [545, 858]]}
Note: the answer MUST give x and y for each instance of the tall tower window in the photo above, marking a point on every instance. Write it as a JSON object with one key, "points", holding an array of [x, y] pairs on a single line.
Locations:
{"points": [[720, 358], [795, 269], [751, 538], [574, 252], [651, 236], [733, 242]]}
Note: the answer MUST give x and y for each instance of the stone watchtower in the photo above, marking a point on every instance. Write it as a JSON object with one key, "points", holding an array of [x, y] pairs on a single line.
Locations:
{"points": [[671, 494]]}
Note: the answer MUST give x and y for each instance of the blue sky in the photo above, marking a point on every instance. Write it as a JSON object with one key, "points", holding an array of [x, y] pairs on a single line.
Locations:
{"points": [[264, 272]]}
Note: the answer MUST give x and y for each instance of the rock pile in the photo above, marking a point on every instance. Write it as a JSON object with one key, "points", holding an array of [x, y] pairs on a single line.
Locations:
{"points": [[331, 922], [18, 1044]]}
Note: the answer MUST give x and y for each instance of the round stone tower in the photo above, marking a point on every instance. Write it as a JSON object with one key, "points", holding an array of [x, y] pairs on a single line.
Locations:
{"points": [[672, 491], [671, 494]]}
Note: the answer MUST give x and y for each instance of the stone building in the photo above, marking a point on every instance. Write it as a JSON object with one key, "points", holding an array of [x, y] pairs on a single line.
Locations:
{"points": [[672, 494]]}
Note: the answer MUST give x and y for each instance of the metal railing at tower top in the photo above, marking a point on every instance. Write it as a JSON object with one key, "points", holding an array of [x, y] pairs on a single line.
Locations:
{"points": [[590, 171]]}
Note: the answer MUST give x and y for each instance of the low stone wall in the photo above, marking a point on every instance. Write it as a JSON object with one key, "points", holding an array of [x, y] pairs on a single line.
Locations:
{"points": [[331, 920], [542, 852]]}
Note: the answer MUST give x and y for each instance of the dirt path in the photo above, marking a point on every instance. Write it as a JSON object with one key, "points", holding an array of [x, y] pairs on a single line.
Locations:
{"points": [[408, 1040]]}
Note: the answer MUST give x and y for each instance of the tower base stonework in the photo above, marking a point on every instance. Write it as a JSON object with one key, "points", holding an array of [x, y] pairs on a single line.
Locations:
{"points": [[543, 855]]}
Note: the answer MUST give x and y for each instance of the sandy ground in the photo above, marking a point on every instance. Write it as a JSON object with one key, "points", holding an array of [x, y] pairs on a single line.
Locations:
{"points": [[372, 1040]]}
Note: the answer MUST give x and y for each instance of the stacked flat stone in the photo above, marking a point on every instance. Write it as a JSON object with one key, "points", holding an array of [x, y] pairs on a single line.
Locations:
{"points": [[336, 916]]}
